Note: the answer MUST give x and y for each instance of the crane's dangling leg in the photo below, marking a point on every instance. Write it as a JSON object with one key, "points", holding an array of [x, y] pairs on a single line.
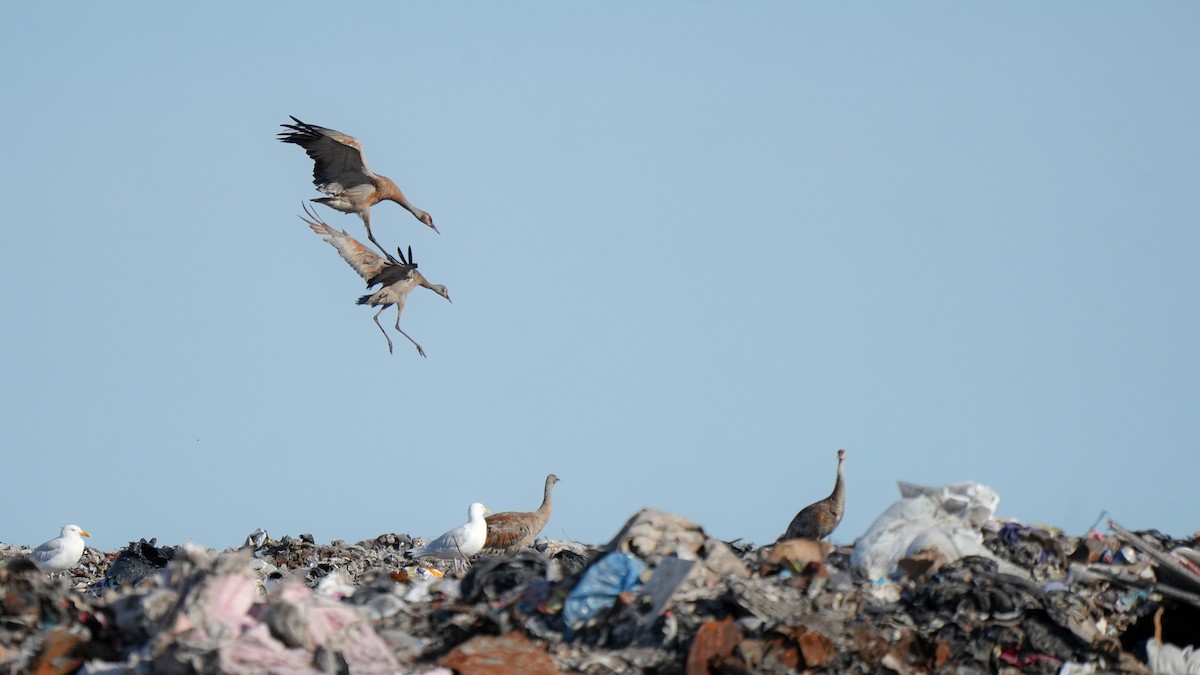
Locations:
{"points": [[401, 331], [381, 330], [366, 218]]}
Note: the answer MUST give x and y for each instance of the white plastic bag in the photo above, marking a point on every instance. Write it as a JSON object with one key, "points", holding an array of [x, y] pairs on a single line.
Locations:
{"points": [[948, 519]]}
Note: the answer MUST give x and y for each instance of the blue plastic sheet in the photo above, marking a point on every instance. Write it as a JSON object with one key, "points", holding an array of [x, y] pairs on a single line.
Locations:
{"points": [[599, 587]]}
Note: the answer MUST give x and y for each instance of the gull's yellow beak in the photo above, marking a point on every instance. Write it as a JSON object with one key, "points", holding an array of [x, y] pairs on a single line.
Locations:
{"points": [[85, 534]]}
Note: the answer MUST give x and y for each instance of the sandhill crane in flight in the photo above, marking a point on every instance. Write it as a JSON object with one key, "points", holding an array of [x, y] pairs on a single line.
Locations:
{"points": [[340, 170], [395, 277]]}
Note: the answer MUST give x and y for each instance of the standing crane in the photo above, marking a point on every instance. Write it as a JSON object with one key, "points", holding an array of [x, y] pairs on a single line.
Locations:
{"points": [[340, 170], [396, 278], [819, 519], [510, 531]]}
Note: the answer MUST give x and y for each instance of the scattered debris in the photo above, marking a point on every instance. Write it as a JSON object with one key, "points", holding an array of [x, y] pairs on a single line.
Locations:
{"points": [[136, 562], [662, 596]]}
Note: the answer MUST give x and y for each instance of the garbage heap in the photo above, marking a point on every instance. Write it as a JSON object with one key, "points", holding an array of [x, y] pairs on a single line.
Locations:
{"points": [[661, 597]]}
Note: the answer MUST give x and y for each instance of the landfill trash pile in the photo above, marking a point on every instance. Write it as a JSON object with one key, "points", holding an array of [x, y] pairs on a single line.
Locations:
{"points": [[660, 597]]}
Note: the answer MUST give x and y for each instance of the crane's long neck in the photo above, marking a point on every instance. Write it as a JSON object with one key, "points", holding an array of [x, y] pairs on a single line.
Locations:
{"points": [[392, 192], [421, 215], [544, 509], [436, 288], [839, 488]]}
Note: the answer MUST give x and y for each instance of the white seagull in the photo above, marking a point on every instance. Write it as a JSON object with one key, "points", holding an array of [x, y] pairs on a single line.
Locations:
{"points": [[460, 543], [63, 552]]}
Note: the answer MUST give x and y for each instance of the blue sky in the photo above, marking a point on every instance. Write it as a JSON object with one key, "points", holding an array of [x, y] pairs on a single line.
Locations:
{"points": [[694, 249]]}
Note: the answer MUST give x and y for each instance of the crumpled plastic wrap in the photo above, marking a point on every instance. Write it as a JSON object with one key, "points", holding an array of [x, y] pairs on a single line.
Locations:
{"points": [[947, 519]]}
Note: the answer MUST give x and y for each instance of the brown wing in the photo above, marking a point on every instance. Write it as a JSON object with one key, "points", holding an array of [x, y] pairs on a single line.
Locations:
{"points": [[510, 530], [366, 262], [815, 521], [338, 161]]}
